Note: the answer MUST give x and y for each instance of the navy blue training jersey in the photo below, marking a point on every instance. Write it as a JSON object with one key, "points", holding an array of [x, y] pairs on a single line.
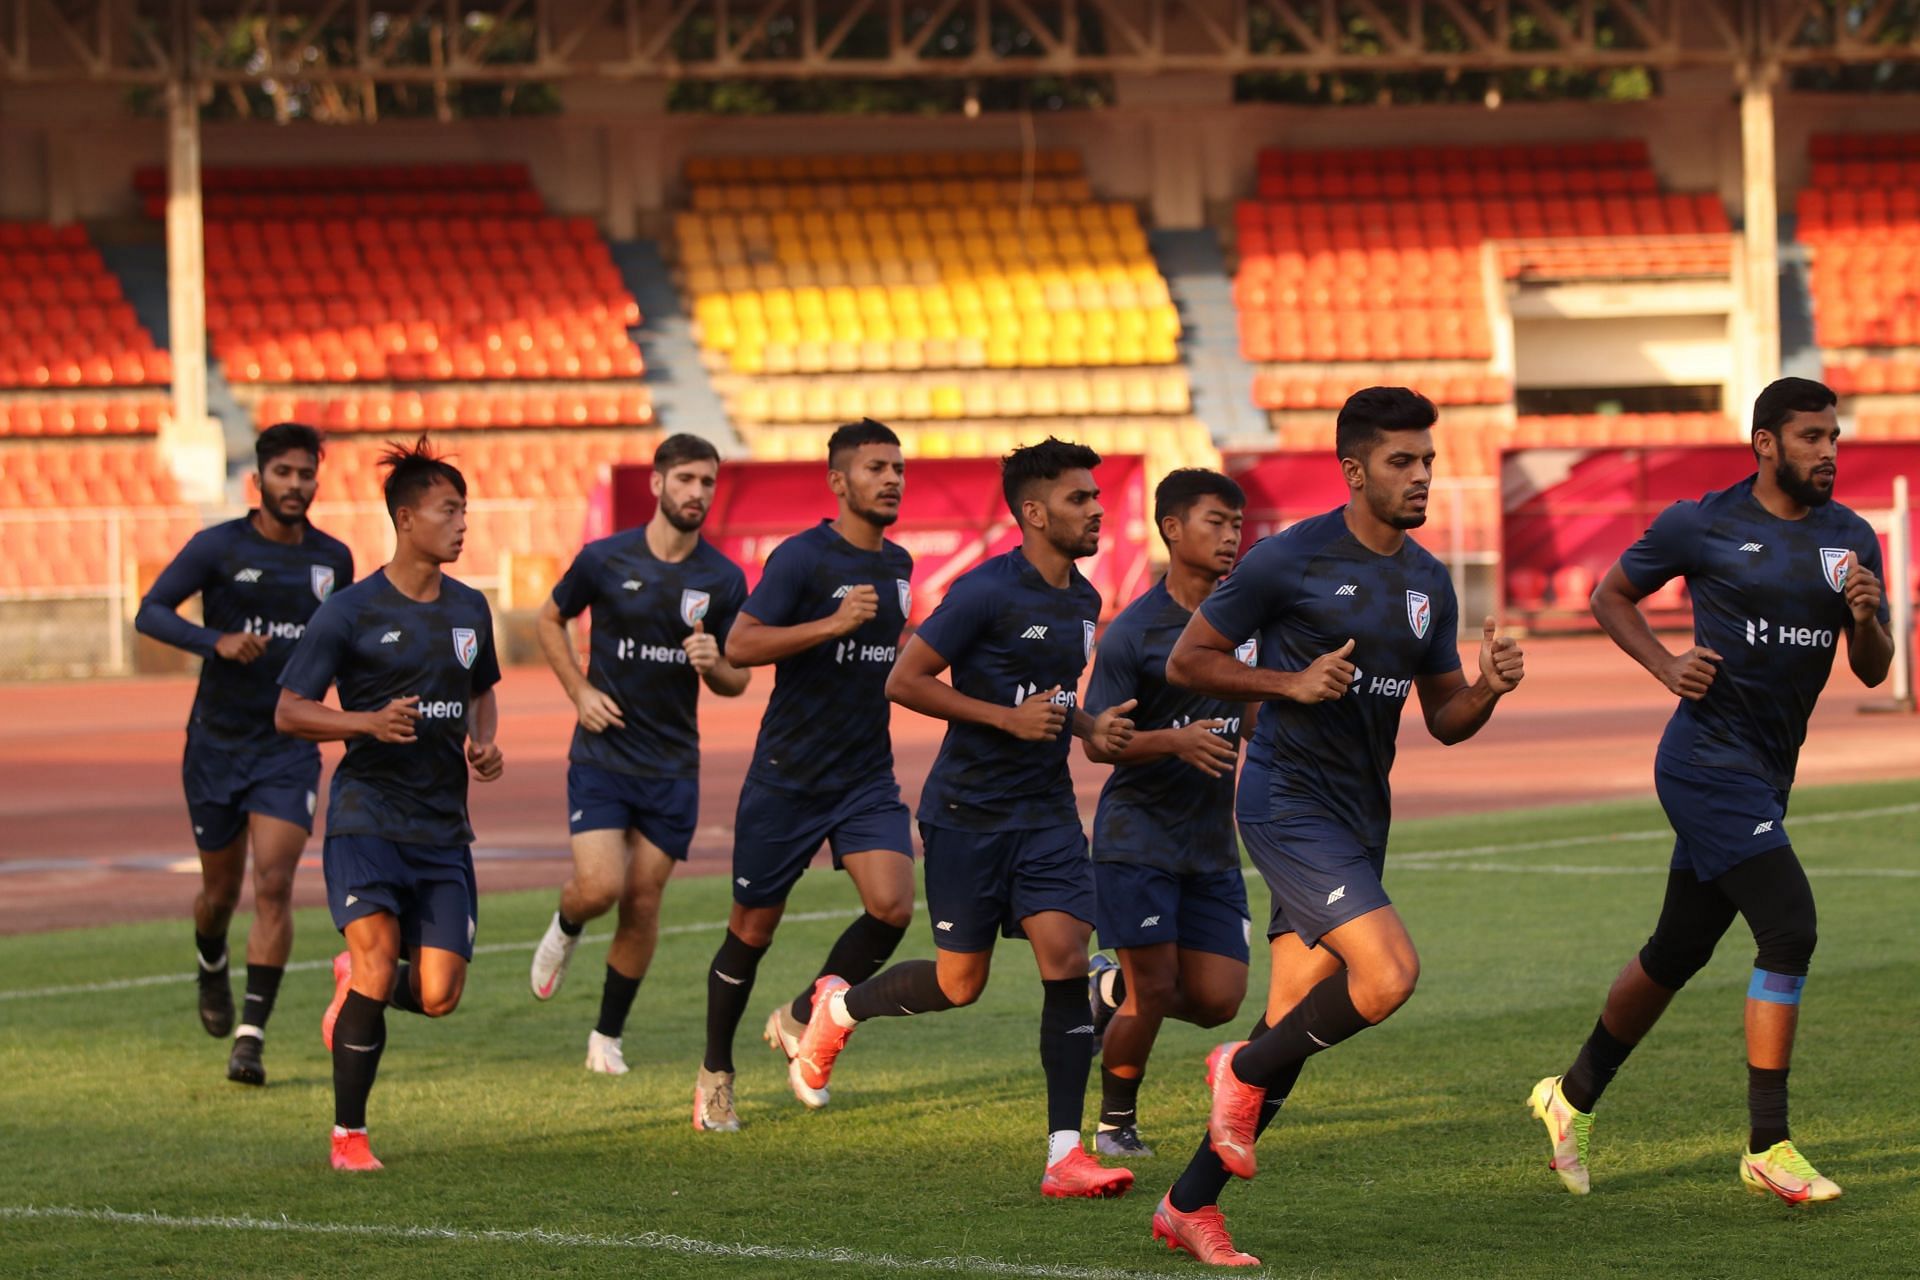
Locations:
{"points": [[1305, 592], [1767, 598], [377, 645], [1164, 813], [1007, 635], [826, 727], [644, 608], [246, 583]]}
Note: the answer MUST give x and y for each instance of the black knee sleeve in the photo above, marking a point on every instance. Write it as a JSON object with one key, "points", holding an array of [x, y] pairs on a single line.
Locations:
{"points": [[1774, 897], [1671, 958]]}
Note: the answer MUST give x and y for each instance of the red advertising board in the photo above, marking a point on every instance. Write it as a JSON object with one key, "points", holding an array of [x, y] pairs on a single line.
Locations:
{"points": [[953, 517]]}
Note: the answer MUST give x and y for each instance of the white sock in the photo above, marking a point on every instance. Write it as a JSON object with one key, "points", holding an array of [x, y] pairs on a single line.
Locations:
{"points": [[1060, 1144], [211, 968], [1107, 980], [837, 1010], [338, 1132], [248, 1029]]}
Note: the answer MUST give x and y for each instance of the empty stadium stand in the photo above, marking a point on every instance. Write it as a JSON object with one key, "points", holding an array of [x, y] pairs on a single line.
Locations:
{"points": [[1860, 218], [923, 289], [1351, 258], [64, 321]]}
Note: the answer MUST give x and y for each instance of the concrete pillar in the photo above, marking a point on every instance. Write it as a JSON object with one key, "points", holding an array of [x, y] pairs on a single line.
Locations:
{"points": [[186, 276], [1176, 161], [1760, 239]]}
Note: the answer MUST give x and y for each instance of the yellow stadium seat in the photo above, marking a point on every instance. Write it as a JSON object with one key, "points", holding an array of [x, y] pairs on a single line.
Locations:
{"points": [[749, 360], [787, 404], [810, 357], [977, 399], [948, 402], [916, 402], [876, 353], [908, 353], [850, 402], [883, 402], [817, 402], [778, 358], [1172, 394], [967, 442], [1043, 397], [1076, 400], [1109, 394], [934, 444], [1010, 399], [753, 405], [843, 356]]}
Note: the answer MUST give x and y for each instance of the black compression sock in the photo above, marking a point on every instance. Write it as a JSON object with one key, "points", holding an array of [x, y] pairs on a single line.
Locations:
{"points": [[729, 984], [1119, 1100], [359, 1036], [1066, 1050], [212, 949], [567, 926], [1594, 1067], [263, 987], [1766, 1106], [857, 955], [616, 1000], [1322, 1020], [1205, 1177], [403, 997], [910, 987]]}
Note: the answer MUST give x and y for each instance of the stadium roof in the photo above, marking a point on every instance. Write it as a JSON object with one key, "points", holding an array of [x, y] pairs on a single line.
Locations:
{"points": [[467, 41]]}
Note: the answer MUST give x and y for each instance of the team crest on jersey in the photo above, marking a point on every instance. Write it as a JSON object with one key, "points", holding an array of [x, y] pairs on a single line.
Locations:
{"points": [[1249, 653], [693, 605], [1833, 566], [322, 579], [1419, 613], [1087, 632], [906, 597], [466, 645]]}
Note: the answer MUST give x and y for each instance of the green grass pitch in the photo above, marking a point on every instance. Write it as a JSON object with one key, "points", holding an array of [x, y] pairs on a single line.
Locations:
{"points": [[1405, 1153]]}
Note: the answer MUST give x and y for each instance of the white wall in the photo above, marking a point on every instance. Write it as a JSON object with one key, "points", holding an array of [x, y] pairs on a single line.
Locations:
{"points": [[1635, 351]]}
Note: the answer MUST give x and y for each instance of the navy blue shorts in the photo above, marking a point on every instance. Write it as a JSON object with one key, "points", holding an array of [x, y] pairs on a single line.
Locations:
{"points": [[1720, 817], [663, 810], [1142, 906], [429, 888], [776, 832], [223, 787], [1320, 875], [983, 882]]}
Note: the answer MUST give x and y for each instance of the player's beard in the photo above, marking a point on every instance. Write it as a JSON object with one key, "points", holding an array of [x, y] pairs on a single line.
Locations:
{"points": [[1077, 548], [1799, 485], [679, 519], [878, 519], [275, 511], [1397, 515]]}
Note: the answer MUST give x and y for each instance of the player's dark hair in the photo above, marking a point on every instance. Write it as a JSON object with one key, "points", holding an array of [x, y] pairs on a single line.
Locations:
{"points": [[1371, 412], [285, 437], [1784, 397], [845, 439], [682, 447], [1175, 495], [414, 469], [1030, 464]]}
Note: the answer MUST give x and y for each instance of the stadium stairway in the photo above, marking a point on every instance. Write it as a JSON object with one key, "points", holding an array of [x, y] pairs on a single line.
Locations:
{"points": [[1800, 354], [683, 395], [142, 270], [1202, 289]]}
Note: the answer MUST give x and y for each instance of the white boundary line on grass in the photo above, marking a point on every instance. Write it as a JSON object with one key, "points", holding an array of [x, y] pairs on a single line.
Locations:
{"points": [[1414, 860], [1629, 837], [303, 966], [652, 1241]]}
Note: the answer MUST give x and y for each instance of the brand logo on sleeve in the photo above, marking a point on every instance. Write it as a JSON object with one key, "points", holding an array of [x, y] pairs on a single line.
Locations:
{"points": [[247, 575], [693, 605], [1752, 546], [1419, 613], [392, 637], [1349, 589], [1086, 625], [321, 576], [632, 584], [906, 597], [1249, 653], [1035, 632], [1833, 567], [466, 645]]}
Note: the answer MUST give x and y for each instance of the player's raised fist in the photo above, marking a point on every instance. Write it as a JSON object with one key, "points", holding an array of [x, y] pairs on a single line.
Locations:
{"points": [[240, 646], [1202, 747], [1037, 718], [1690, 674], [488, 764], [702, 649], [857, 608], [597, 710], [1326, 678], [1502, 665], [394, 722], [1112, 730], [1863, 591]]}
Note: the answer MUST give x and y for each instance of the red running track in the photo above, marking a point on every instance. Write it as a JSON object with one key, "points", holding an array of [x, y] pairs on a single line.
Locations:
{"points": [[92, 827]]}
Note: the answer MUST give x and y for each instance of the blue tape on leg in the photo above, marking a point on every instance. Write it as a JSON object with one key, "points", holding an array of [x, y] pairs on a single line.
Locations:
{"points": [[1776, 988]]}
